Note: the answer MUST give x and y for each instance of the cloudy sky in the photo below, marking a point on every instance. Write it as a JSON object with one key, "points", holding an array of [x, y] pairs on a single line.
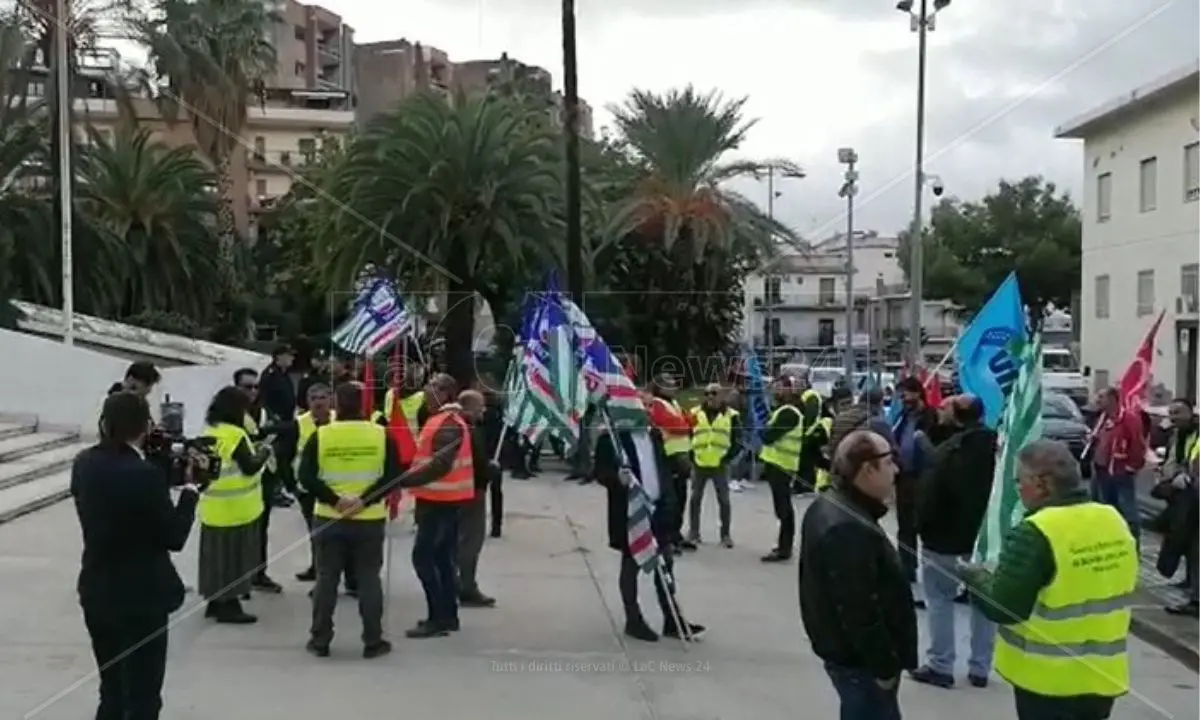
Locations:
{"points": [[821, 74]]}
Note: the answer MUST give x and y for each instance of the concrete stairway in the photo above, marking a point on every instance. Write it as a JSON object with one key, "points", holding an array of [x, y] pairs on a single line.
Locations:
{"points": [[35, 466]]}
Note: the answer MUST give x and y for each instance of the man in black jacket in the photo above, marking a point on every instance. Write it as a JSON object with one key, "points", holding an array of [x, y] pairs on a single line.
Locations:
{"points": [[855, 601], [128, 585], [613, 464], [472, 516], [952, 498]]}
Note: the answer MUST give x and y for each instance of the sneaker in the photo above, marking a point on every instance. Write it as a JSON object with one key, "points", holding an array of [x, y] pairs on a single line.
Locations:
{"points": [[929, 676], [979, 681], [426, 629], [727, 542], [735, 486], [262, 583], [776, 557]]}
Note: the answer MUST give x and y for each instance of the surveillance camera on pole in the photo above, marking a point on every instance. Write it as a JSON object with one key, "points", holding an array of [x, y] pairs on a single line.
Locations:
{"points": [[848, 157], [935, 185]]}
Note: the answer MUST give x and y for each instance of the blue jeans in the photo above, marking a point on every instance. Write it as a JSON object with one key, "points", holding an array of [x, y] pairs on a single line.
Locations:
{"points": [[861, 696], [941, 585], [1119, 491]]}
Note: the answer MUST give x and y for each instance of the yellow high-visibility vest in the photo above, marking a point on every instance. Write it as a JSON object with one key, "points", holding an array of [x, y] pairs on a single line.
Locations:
{"points": [[1074, 643], [351, 456], [1193, 448], [822, 480], [306, 426], [253, 424], [410, 406], [233, 499], [711, 440], [784, 453]]}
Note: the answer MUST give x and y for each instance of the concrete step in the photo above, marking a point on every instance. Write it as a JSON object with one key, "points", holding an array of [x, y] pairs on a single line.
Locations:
{"points": [[34, 495], [31, 467], [22, 446], [15, 429]]}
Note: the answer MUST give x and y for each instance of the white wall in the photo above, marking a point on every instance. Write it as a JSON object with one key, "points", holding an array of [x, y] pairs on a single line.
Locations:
{"points": [[66, 386], [1130, 241]]}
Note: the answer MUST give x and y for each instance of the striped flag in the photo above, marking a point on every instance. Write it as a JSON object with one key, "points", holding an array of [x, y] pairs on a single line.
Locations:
{"points": [[608, 383], [377, 318], [1020, 425], [554, 378], [640, 537]]}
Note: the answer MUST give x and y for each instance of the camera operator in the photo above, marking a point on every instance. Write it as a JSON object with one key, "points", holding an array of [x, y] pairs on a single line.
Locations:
{"points": [[140, 379], [128, 585]]}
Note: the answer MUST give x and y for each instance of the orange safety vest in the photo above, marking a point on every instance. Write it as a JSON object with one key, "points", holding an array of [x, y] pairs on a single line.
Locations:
{"points": [[458, 484]]}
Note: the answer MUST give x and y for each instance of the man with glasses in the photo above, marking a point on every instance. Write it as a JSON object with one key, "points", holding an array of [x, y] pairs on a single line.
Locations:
{"points": [[855, 601], [714, 426]]}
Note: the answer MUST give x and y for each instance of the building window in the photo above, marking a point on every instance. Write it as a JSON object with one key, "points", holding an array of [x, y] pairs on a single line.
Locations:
{"points": [[300, 33], [299, 68], [1189, 282], [260, 147], [1103, 197], [1148, 185], [825, 332], [1145, 292], [260, 188], [1102, 290], [308, 149], [1191, 173], [826, 289], [771, 286]]}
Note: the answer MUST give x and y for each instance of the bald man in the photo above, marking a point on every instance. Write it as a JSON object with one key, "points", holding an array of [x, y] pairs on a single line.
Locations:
{"points": [[472, 515]]}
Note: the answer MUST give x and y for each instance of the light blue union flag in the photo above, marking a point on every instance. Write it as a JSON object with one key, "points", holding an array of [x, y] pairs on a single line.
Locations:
{"points": [[1020, 425]]}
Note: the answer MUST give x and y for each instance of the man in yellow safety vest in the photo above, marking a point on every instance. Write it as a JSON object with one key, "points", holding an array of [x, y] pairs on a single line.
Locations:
{"points": [[714, 427], [780, 456], [1060, 593]]}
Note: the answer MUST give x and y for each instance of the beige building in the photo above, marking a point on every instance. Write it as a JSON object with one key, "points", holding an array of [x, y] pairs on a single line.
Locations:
{"points": [[391, 70]]}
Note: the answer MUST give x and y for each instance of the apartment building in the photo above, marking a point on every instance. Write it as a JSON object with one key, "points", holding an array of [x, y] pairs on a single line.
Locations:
{"points": [[391, 70], [1141, 229], [876, 258]]}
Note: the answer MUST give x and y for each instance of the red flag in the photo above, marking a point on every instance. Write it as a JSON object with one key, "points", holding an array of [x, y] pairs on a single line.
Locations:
{"points": [[398, 427], [933, 388], [1136, 379]]}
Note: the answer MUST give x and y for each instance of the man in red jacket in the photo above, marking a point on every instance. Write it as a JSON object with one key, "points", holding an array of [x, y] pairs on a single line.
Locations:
{"points": [[1119, 453]]}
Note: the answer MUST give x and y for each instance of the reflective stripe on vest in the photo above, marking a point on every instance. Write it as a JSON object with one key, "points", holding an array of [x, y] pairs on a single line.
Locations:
{"points": [[822, 480], [710, 441], [233, 499], [784, 453], [1192, 454], [459, 483], [675, 443], [410, 406], [350, 459], [1074, 642]]}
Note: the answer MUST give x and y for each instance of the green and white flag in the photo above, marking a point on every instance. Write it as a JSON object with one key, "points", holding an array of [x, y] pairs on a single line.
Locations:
{"points": [[1020, 425], [520, 413]]}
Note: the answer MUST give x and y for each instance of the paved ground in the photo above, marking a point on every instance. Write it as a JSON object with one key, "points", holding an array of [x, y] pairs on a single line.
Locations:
{"points": [[551, 648]]}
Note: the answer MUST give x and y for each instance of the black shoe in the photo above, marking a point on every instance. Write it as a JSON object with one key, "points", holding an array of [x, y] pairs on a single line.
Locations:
{"points": [[377, 649], [979, 681], [476, 600], [929, 676], [1187, 609], [689, 544], [639, 630], [918, 604], [211, 610], [495, 532], [695, 632], [776, 557], [308, 575], [262, 583], [231, 613], [425, 629], [587, 480], [315, 648]]}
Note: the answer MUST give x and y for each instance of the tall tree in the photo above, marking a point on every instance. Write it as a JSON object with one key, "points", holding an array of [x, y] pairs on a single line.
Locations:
{"points": [[1027, 226]]}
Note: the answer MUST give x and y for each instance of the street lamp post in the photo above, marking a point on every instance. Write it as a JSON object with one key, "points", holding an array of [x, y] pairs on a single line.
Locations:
{"points": [[848, 157], [921, 21], [772, 195], [62, 110]]}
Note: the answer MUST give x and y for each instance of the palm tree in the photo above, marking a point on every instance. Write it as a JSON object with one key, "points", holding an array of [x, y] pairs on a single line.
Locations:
{"points": [[445, 195], [153, 208], [211, 58], [682, 139]]}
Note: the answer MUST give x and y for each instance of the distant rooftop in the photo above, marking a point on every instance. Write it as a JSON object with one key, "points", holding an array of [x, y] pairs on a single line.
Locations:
{"points": [[42, 320], [1172, 85]]}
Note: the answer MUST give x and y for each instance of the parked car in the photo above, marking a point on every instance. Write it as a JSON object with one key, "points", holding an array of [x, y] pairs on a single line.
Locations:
{"points": [[1063, 421]]}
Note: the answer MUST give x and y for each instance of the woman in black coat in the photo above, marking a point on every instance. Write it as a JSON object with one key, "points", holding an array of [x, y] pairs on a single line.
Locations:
{"points": [[607, 468]]}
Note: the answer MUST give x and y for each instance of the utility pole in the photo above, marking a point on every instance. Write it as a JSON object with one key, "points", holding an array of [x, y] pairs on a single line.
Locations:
{"points": [[768, 303], [571, 133], [848, 157], [62, 127]]}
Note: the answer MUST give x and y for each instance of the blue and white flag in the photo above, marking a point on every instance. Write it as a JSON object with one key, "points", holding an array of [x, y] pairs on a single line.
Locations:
{"points": [[986, 366], [377, 318], [758, 408]]}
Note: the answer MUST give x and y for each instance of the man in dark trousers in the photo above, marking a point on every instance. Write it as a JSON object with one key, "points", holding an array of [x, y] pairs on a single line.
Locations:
{"points": [[855, 600], [952, 499], [911, 435], [617, 467], [349, 466], [780, 457], [472, 520], [128, 585]]}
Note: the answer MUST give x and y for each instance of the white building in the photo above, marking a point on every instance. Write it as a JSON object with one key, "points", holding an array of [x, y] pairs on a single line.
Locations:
{"points": [[1141, 231], [876, 259]]}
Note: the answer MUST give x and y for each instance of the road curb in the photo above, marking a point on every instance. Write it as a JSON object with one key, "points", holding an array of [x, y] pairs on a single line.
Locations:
{"points": [[1164, 638]]}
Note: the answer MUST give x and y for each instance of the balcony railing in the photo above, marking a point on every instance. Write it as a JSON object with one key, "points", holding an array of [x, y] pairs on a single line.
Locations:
{"points": [[280, 160]]}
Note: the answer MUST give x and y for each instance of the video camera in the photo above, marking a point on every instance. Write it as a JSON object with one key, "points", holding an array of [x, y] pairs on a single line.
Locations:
{"points": [[170, 449]]}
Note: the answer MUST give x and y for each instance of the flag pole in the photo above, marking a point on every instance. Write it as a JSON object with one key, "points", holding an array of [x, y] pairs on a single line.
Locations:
{"points": [[660, 573]]}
